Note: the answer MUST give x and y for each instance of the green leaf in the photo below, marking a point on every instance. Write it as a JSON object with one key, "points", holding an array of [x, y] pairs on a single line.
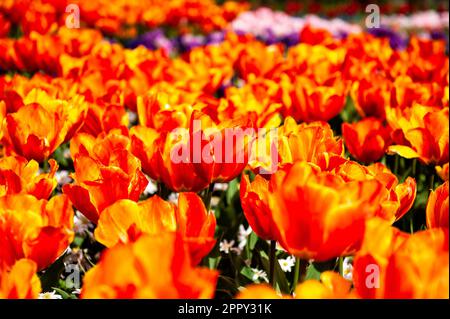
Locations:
{"points": [[63, 294], [280, 276], [213, 262], [247, 272], [312, 272], [50, 277], [252, 240], [232, 190]]}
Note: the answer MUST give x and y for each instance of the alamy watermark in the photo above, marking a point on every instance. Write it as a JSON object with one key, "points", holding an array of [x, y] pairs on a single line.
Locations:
{"points": [[73, 17], [230, 145]]}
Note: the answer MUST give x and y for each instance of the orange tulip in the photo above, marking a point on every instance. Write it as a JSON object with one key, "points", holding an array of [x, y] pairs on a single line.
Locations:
{"points": [[259, 99], [319, 215], [254, 202], [310, 101], [366, 140], [21, 282], [371, 96], [257, 59], [39, 230], [17, 175], [5, 26], [152, 267], [330, 286], [259, 291], [165, 109], [104, 118], [406, 92], [317, 62], [105, 171], [42, 124], [392, 264], [125, 219], [395, 200], [314, 143], [420, 132], [437, 207], [191, 159], [442, 171]]}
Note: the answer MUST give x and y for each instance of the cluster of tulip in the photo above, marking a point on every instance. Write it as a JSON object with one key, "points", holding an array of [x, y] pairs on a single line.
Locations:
{"points": [[118, 17], [359, 132]]}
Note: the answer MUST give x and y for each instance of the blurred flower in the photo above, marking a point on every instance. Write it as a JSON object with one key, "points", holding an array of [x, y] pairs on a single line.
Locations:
{"points": [[392, 202], [63, 177], [255, 205], [105, 171], [366, 140], [166, 272], [80, 223], [39, 230], [226, 246], [43, 123], [243, 235], [442, 171], [321, 195], [348, 268], [370, 96], [21, 281], [420, 132], [314, 143], [191, 159], [396, 40], [330, 286], [17, 175], [259, 275], [49, 295], [392, 264], [125, 220], [310, 101], [437, 207]]}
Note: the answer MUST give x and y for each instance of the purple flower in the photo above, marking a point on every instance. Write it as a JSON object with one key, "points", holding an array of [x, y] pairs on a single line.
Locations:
{"points": [[395, 39], [153, 40], [190, 41]]}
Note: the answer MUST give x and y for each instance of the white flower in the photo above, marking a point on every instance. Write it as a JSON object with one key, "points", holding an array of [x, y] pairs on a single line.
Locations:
{"points": [[132, 116], [173, 198], [151, 188], [80, 223], [243, 235], [66, 153], [215, 200], [220, 186], [259, 274], [226, 246], [49, 295], [347, 268], [279, 247], [62, 177], [77, 291], [287, 264]]}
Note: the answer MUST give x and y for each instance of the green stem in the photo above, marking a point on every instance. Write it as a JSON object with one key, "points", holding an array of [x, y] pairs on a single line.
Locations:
{"points": [[272, 258], [396, 164], [341, 265], [299, 272], [45, 166], [207, 196], [414, 167], [411, 224], [432, 182], [296, 274]]}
